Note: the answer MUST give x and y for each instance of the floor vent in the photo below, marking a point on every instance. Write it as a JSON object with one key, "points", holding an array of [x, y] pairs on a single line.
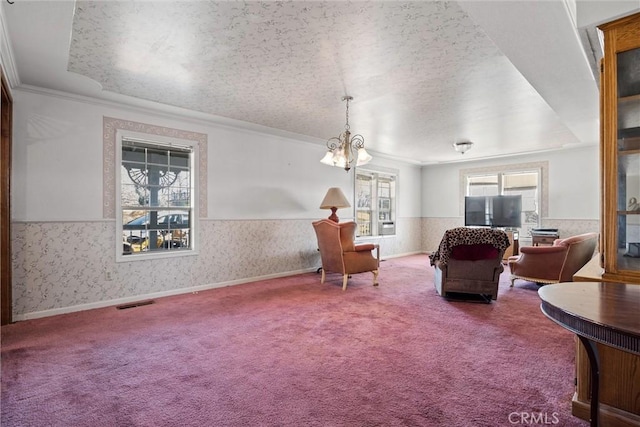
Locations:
{"points": [[134, 304]]}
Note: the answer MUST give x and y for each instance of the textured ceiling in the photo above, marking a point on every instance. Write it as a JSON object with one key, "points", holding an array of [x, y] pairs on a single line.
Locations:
{"points": [[423, 74]]}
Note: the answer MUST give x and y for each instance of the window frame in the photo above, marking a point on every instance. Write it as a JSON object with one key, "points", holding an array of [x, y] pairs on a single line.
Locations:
{"points": [[376, 201], [525, 230], [163, 142]]}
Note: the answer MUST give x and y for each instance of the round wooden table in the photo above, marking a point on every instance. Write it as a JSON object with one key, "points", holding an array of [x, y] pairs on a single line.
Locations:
{"points": [[598, 312]]}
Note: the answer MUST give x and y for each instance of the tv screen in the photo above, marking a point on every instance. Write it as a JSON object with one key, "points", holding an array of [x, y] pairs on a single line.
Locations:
{"points": [[506, 211], [475, 211]]}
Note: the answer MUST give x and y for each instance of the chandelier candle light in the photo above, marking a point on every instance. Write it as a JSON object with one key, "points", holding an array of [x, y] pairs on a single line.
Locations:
{"points": [[344, 149]]}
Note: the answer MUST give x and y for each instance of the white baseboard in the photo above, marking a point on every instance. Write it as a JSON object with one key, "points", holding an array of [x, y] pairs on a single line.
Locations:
{"points": [[404, 254], [127, 300], [135, 298]]}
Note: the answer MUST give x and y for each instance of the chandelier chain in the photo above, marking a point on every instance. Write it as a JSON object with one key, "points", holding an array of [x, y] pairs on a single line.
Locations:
{"points": [[346, 126]]}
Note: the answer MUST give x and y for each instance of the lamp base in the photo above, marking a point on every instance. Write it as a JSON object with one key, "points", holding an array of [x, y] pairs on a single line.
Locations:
{"points": [[333, 216]]}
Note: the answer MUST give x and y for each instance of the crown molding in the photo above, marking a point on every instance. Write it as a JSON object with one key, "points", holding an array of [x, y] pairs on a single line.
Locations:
{"points": [[115, 100], [7, 60], [124, 102], [565, 147], [203, 119]]}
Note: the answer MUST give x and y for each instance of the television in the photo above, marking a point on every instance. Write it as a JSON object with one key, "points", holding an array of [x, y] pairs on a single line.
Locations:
{"points": [[475, 211], [493, 211], [506, 211]]}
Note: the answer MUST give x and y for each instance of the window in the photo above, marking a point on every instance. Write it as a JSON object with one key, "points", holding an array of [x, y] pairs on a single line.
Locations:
{"points": [[375, 203], [156, 197], [525, 183]]}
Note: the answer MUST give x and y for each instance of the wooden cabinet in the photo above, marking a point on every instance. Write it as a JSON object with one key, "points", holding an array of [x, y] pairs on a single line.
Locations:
{"points": [[620, 150], [620, 222], [619, 391]]}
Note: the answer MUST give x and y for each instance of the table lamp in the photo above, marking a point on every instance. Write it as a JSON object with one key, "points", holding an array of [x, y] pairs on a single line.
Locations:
{"points": [[334, 200]]}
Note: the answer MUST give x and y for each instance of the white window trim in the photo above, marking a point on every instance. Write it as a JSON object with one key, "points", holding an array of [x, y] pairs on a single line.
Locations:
{"points": [[542, 196], [380, 171], [516, 167], [126, 134]]}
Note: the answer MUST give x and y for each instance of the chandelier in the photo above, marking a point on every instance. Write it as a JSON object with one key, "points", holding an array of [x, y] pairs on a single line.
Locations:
{"points": [[344, 149]]}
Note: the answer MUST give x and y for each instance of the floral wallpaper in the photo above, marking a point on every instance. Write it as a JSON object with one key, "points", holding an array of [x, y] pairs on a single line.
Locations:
{"points": [[62, 266], [434, 228]]}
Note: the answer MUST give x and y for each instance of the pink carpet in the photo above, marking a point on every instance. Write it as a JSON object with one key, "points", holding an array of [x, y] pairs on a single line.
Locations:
{"points": [[294, 352]]}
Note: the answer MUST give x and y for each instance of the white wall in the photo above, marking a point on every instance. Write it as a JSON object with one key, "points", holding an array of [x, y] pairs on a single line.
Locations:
{"points": [[409, 185], [589, 12], [57, 173], [58, 164], [263, 193], [573, 193], [574, 184]]}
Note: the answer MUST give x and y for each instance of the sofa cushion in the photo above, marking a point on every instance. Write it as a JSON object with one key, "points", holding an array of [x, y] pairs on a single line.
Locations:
{"points": [[474, 252]]}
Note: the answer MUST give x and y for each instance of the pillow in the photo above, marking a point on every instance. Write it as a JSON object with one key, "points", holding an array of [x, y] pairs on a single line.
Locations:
{"points": [[474, 252]]}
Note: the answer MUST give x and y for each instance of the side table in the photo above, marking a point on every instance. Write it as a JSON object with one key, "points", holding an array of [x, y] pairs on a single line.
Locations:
{"points": [[543, 239]]}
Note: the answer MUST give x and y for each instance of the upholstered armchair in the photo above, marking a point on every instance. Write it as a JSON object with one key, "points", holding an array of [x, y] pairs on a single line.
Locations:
{"points": [[556, 263], [469, 261], [340, 254]]}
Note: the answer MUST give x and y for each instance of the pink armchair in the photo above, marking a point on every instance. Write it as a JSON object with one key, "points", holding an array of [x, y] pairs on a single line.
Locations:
{"points": [[553, 264], [340, 254]]}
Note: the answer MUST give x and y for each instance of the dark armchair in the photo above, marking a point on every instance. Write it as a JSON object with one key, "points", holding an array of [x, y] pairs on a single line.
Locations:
{"points": [[469, 261]]}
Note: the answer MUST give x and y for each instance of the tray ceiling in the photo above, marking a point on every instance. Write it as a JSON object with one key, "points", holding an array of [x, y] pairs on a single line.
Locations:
{"points": [[423, 74]]}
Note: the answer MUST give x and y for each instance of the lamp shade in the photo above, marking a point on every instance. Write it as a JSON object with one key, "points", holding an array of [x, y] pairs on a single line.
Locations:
{"points": [[334, 199]]}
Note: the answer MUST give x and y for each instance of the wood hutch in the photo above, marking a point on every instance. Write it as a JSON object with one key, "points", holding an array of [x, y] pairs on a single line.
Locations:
{"points": [[619, 259]]}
